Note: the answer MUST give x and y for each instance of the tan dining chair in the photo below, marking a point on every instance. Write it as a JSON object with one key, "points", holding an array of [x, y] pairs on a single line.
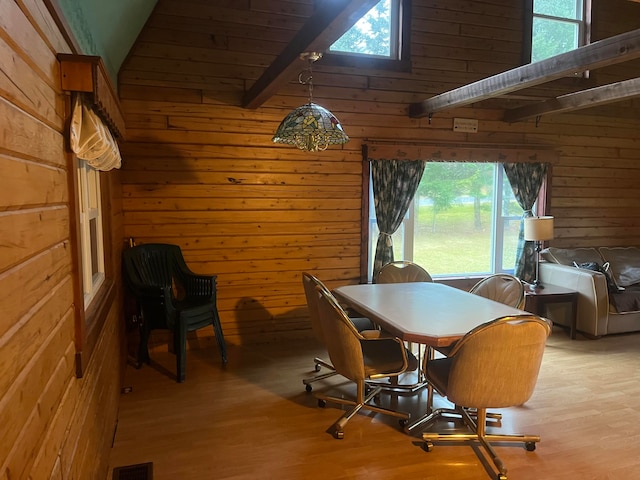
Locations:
{"points": [[401, 272], [310, 283], [495, 365], [501, 287], [359, 359]]}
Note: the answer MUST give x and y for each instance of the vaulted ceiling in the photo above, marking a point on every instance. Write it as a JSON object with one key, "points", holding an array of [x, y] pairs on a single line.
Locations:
{"points": [[327, 25], [112, 40]]}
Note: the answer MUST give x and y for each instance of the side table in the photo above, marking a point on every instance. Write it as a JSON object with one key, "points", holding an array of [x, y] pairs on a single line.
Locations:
{"points": [[537, 299]]}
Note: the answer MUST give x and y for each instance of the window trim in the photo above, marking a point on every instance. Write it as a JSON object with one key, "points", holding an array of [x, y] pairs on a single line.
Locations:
{"points": [[357, 60]]}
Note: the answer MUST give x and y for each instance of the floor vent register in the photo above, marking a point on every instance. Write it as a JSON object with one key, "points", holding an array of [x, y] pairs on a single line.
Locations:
{"points": [[141, 471]]}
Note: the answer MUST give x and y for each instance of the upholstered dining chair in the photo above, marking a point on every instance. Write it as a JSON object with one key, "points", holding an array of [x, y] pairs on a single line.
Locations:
{"points": [[402, 271], [358, 359], [501, 287], [495, 365], [171, 297], [310, 283]]}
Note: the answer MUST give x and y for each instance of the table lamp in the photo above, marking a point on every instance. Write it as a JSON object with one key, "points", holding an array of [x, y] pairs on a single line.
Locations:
{"points": [[538, 229]]}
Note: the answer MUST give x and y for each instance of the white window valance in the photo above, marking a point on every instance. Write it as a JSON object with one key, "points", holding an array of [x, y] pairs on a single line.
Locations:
{"points": [[91, 139]]}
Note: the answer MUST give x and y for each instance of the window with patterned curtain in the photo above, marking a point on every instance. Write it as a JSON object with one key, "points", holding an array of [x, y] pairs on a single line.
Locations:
{"points": [[464, 220]]}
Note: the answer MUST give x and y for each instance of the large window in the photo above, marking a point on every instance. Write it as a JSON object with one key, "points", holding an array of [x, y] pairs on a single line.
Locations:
{"points": [[464, 221], [558, 26], [91, 238]]}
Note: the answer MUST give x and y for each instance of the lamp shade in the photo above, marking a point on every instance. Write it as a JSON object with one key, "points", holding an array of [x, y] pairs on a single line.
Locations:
{"points": [[538, 228], [310, 127]]}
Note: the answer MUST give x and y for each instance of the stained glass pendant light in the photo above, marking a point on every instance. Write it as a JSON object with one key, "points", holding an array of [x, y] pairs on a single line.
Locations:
{"points": [[310, 127]]}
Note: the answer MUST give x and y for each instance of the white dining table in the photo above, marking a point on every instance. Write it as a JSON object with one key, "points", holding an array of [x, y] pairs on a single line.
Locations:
{"points": [[428, 313]]}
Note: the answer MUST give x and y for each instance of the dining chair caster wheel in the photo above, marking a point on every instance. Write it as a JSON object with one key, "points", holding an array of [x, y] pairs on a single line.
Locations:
{"points": [[427, 446], [502, 476], [322, 403], [530, 446], [403, 422], [338, 435], [318, 367], [308, 387]]}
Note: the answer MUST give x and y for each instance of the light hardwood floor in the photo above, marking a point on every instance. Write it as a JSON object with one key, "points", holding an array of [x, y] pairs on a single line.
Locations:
{"points": [[253, 420]]}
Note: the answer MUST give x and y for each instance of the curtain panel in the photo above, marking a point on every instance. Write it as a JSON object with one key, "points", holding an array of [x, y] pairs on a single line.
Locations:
{"points": [[394, 185], [526, 180]]}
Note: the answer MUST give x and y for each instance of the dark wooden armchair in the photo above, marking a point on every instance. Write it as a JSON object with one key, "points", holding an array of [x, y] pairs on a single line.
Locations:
{"points": [[171, 297]]}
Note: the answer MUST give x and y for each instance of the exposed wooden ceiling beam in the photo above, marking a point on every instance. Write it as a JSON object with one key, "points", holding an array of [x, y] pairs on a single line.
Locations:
{"points": [[592, 97], [330, 21], [609, 51]]}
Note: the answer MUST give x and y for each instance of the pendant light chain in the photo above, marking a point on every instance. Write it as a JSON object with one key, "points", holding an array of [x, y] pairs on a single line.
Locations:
{"points": [[308, 80]]}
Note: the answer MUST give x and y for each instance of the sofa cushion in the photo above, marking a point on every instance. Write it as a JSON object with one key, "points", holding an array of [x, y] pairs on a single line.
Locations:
{"points": [[569, 256], [627, 301], [625, 264]]}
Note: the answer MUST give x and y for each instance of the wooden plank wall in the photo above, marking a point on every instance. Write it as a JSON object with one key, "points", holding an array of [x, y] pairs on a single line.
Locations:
{"points": [[53, 424], [202, 172], [595, 193]]}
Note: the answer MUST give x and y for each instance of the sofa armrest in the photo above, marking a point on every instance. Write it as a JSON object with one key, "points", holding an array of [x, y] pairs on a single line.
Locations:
{"points": [[593, 296]]}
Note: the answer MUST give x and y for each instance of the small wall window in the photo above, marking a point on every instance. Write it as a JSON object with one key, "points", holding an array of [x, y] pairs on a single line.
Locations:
{"points": [[558, 26], [380, 39], [374, 34], [91, 236]]}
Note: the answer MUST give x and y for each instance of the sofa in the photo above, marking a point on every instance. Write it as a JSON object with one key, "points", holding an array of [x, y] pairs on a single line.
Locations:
{"points": [[605, 305]]}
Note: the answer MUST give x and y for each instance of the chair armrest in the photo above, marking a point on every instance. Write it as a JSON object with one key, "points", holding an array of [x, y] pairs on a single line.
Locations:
{"points": [[593, 296], [371, 334], [198, 285], [392, 346]]}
